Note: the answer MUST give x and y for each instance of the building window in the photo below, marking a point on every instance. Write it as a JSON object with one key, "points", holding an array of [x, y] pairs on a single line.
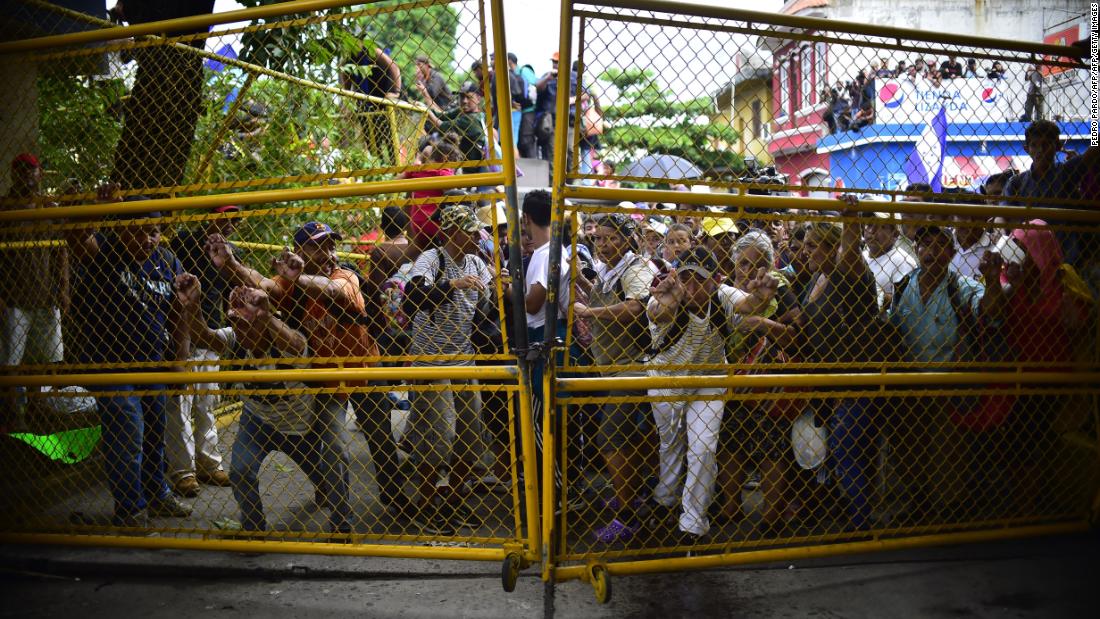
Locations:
{"points": [[784, 89], [756, 119], [822, 79], [806, 79]]}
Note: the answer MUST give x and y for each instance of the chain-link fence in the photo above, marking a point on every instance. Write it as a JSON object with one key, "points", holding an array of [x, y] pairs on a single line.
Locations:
{"points": [[789, 291], [257, 283], [813, 295]]}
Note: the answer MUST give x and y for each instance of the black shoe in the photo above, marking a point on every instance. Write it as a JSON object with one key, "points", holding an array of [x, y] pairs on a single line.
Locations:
{"points": [[462, 516], [431, 521]]}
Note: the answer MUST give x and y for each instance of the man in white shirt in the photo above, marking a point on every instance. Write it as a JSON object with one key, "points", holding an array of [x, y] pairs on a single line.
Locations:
{"points": [[971, 243], [536, 225], [886, 259]]}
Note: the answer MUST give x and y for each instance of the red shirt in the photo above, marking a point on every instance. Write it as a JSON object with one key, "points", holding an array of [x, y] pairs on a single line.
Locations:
{"points": [[420, 215]]}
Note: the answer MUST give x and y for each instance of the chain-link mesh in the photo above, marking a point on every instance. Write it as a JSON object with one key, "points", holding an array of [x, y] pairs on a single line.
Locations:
{"points": [[803, 299], [209, 202]]}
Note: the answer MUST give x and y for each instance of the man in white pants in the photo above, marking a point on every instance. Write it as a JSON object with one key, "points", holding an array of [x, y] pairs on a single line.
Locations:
{"points": [[692, 315], [34, 290], [191, 434]]}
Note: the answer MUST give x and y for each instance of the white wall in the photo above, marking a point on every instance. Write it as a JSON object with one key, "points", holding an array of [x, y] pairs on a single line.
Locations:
{"points": [[1021, 20]]}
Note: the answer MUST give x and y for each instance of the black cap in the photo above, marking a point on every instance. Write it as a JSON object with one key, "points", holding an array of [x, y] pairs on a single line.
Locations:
{"points": [[698, 259], [619, 222], [927, 231]]}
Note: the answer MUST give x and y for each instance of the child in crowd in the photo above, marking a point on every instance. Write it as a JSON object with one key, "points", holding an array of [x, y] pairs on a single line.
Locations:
{"points": [[442, 151], [678, 239]]}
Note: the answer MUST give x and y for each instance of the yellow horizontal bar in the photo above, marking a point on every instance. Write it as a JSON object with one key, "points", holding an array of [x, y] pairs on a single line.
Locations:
{"points": [[32, 244], [502, 372], [756, 381], [322, 192], [834, 25], [272, 247], [228, 545], [194, 22], [820, 551], [821, 204]]}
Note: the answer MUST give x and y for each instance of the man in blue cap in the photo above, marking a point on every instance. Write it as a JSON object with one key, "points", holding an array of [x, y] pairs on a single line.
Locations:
{"points": [[125, 296]]}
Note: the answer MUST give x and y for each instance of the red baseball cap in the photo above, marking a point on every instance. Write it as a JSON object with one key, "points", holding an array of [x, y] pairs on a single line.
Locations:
{"points": [[228, 208], [26, 159]]}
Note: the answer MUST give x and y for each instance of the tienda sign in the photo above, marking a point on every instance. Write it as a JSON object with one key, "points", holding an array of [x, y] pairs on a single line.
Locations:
{"points": [[972, 100]]}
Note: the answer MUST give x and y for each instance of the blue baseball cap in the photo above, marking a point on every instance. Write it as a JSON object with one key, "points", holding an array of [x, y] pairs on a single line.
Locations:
{"points": [[314, 231]]}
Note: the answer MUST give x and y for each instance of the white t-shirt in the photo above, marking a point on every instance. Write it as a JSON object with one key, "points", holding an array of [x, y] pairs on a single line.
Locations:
{"points": [[890, 267], [967, 261], [538, 272], [289, 414]]}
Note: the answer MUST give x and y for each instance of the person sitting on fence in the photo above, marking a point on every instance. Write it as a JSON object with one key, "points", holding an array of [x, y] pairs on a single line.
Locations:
{"points": [[430, 84], [377, 76], [692, 314], [273, 422], [465, 120], [446, 285], [325, 302], [887, 261], [124, 295], [616, 311]]}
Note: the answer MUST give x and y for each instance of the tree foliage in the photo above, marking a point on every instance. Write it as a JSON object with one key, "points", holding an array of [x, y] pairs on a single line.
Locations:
{"points": [[648, 119]]}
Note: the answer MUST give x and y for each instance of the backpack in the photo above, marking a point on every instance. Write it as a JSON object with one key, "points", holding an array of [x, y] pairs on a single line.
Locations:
{"points": [[680, 324], [485, 335]]}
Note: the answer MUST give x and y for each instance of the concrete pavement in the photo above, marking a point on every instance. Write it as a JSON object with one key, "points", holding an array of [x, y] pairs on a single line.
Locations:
{"points": [[1049, 577]]}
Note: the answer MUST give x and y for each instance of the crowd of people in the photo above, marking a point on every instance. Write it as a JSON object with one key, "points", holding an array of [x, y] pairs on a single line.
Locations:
{"points": [[647, 292], [533, 107], [851, 104]]}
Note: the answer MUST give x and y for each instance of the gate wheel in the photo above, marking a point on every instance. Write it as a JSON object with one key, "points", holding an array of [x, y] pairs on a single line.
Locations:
{"points": [[509, 572], [601, 583]]}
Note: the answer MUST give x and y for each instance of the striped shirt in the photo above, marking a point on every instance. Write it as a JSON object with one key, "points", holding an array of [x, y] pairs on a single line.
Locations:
{"points": [[445, 329], [701, 342]]}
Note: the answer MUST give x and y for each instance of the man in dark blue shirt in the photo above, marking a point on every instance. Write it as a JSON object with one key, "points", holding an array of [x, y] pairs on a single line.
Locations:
{"points": [[1048, 179], [125, 295]]}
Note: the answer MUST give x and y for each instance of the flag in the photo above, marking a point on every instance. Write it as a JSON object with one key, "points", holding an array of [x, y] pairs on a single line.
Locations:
{"points": [[925, 163], [226, 51]]}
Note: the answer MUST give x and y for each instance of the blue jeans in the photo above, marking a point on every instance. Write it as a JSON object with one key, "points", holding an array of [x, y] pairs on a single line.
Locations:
{"points": [[133, 439], [849, 449], [320, 459]]}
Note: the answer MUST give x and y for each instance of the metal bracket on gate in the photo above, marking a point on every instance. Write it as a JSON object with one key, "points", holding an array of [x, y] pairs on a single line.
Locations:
{"points": [[539, 350]]}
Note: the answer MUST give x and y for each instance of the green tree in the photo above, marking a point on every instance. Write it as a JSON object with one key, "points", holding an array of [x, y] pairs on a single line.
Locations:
{"points": [[648, 119]]}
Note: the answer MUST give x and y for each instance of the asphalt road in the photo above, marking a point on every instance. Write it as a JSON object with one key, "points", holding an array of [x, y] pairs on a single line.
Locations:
{"points": [[1051, 577]]}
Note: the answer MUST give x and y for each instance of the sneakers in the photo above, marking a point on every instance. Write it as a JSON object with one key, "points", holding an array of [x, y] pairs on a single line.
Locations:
{"points": [[462, 516], [131, 521], [169, 507], [217, 478], [187, 487], [616, 531], [432, 521]]}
